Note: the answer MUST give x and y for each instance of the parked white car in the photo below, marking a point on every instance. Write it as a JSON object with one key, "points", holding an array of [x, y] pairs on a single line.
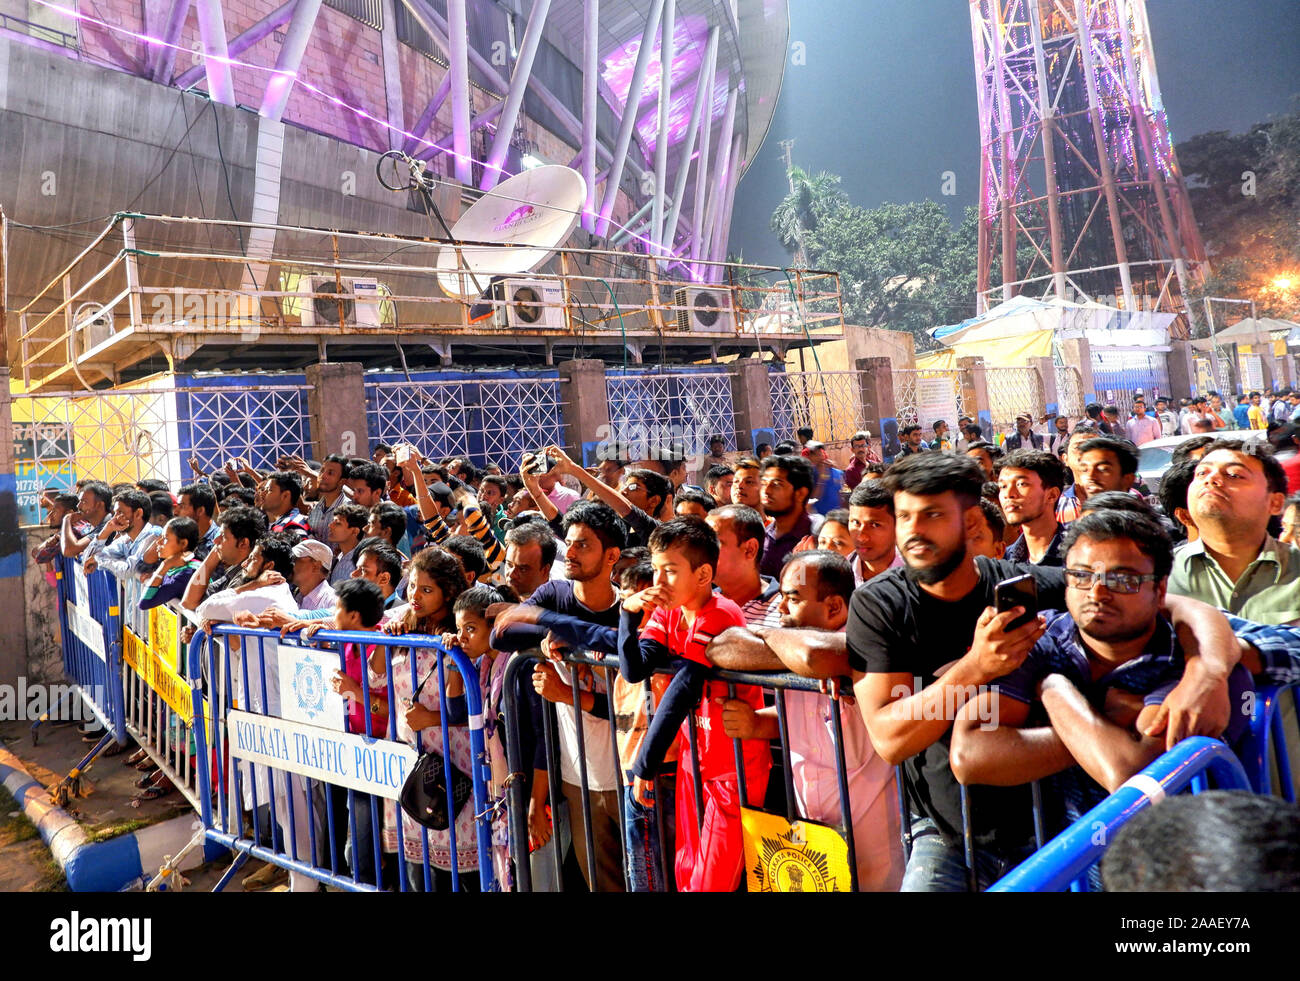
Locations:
{"points": [[1154, 457]]}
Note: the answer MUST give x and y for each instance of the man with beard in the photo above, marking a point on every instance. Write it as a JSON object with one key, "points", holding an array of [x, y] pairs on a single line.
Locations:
{"points": [[594, 536], [923, 639], [1029, 485], [787, 485]]}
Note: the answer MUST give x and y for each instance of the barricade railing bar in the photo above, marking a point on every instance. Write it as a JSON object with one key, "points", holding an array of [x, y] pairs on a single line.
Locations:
{"points": [[775, 684], [1265, 745], [1067, 858], [90, 625], [321, 800]]}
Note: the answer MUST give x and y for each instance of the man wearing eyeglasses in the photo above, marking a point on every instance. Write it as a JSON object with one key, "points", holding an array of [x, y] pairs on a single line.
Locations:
{"points": [[926, 639], [1085, 699]]}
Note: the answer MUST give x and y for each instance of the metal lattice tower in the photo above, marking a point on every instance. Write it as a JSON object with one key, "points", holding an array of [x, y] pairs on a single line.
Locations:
{"points": [[1079, 185]]}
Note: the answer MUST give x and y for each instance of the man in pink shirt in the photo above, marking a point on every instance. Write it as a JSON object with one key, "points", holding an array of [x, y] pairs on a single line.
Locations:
{"points": [[816, 587], [1142, 428]]}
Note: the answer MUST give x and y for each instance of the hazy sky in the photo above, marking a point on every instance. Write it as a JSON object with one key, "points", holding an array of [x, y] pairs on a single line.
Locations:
{"points": [[887, 97]]}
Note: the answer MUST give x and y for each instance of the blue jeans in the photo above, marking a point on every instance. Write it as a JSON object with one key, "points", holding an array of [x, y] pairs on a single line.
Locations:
{"points": [[936, 866], [644, 857]]}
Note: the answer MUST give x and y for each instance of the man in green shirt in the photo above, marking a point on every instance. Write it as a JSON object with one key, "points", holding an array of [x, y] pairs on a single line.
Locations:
{"points": [[1236, 564]]}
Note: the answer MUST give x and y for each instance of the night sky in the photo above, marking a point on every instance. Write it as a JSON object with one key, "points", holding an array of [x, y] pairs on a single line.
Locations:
{"points": [[887, 97]]}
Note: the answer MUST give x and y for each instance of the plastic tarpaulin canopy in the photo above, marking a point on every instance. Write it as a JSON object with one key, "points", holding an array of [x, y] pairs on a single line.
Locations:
{"points": [[1011, 333], [1006, 336]]}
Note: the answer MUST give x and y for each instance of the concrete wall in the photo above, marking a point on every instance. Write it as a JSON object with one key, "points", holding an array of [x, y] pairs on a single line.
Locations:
{"points": [[44, 662], [859, 342]]}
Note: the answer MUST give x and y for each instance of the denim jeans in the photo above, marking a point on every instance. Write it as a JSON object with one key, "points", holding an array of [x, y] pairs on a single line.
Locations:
{"points": [[644, 858], [936, 866]]}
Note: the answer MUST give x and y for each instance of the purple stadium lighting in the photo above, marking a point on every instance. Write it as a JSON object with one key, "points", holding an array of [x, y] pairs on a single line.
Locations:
{"points": [[652, 248]]}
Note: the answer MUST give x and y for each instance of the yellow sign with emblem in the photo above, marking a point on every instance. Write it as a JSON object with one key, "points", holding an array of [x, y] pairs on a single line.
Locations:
{"points": [[802, 856], [164, 635]]}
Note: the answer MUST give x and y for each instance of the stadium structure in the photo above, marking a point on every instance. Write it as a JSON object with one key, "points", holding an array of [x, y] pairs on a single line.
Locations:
{"points": [[225, 185]]}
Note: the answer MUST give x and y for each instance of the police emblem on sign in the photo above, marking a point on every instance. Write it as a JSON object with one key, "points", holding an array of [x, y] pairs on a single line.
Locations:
{"points": [[309, 688], [802, 856]]}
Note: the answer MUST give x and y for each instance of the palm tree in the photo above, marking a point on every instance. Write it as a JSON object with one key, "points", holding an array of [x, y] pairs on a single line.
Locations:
{"points": [[810, 199]]}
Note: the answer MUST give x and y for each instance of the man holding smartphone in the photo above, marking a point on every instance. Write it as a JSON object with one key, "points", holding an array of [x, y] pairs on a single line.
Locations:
{"points": [[925, 639]]}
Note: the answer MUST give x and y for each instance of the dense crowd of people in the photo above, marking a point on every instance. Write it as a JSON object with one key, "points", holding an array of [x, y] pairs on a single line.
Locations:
{"points": [[1143, 616]]}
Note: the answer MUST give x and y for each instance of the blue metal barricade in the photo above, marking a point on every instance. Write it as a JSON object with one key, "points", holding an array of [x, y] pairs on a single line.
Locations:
{"points": [[286, 780], [158, 691], [91, 632], [688, 770], [1267, 738], [1067, 858]]}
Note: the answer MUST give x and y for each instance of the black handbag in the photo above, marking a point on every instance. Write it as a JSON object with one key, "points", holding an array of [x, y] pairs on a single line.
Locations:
{"points": [[424, 794]]}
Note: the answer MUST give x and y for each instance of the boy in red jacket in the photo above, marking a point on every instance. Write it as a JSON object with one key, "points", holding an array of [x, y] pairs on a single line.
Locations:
{"points": [[670, 624]]}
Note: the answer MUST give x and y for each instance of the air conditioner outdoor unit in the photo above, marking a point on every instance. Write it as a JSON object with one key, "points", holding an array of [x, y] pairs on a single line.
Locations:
{"points": [[93, 330], [703, 309], [361, 299], [529, 303]]}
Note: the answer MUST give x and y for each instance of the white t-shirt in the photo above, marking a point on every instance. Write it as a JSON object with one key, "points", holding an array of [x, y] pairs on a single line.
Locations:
{"points": [[602, 764]]}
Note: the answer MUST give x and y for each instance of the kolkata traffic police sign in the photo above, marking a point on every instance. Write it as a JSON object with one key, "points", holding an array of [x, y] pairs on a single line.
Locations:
{"points": [[802, 856]]}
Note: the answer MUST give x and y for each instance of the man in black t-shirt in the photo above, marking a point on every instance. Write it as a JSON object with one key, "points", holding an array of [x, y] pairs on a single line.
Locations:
{"points": [[925, 639]]}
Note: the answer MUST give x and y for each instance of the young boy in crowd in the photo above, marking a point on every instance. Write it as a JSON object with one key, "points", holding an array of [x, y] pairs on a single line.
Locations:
{"points": [[358, 605], [669, 625]]}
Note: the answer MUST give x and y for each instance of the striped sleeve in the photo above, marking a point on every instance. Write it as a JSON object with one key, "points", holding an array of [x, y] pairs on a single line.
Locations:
{"points": [[477, 525]]}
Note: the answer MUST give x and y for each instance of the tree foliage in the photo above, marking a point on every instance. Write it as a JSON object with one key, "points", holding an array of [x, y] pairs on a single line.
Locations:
{"points": [[1252, 239]]}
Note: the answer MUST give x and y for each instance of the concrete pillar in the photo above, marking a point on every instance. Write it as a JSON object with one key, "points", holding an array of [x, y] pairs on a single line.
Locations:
{"points": [[584, 409], [975, 393], [751, 400], [336, 406], [13, 635], [1181, 370], [1078, 352], [1046, 368], [879, 414]]}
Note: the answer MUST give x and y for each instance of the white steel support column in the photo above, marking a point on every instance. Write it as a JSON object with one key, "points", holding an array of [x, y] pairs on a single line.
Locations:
{"points": [[515, 96], [430, 111], [440, 144], [590, 77], [722, 174], [212, 32], [286, 65], [703, 98], [702, 168], [165, 59], [666, 52], [390, 52], [242, 42], [723, 229], [458, 43], [627, 123]]}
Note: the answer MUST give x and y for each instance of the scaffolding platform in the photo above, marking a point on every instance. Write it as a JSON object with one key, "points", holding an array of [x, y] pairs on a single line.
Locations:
{"points": [[155, 286]]}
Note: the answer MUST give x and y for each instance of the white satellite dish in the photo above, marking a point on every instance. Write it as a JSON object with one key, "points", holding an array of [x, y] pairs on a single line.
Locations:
{"points": [[523, 221]]}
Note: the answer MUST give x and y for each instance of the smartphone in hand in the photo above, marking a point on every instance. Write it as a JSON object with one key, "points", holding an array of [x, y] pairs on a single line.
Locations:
{"points": [[1018, 591]]}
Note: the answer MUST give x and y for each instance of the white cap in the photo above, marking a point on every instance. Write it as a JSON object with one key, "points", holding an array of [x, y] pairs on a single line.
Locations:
{"points": [[313, 549]]}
